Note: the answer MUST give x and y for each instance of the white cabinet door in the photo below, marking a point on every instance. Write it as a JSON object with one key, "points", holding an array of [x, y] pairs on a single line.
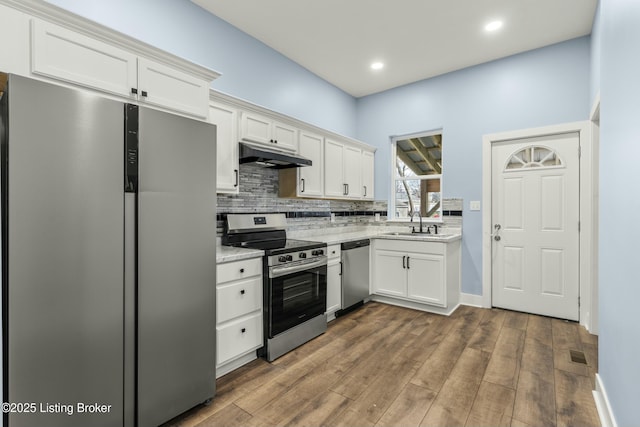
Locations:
{"points": [[14, 49], [263, 130], [285, 137], [333, 161], [172, 89], [367, 174], [334, 286], [425, 278], [226, 120], [66, 55], [352, 172], [310, 182], [389, 273], [255, 128]]}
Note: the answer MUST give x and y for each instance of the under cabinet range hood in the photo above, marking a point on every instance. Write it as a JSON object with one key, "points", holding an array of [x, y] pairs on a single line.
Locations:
{"points": [[269, 158]]}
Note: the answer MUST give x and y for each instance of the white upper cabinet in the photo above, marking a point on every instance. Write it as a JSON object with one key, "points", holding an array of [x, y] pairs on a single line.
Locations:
{"points": [[367, 174], [14, 49], [352, 172], [226, 120], [65, 55], [311, 177], [263, 130], [334, 185], [93, 62], [163, 86], [343, 171]]}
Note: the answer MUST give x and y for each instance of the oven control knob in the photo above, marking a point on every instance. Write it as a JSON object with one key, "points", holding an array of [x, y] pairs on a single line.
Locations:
{"points": [[289, 257], [302, 255], [282, 258], [318, 252]]}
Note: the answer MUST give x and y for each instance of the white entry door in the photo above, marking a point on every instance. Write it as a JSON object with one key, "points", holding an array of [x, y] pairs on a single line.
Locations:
{"points": [[535, 225]]}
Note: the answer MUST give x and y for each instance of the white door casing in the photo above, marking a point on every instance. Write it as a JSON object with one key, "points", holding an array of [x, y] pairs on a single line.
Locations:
{"points": [[535, 217]]}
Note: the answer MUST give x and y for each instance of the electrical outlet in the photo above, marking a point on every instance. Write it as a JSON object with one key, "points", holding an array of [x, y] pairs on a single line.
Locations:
{"points": [[474, 205]]}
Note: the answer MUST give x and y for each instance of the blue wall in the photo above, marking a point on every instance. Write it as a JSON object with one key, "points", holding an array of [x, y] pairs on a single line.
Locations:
{"points": [[538, 88], [250, 69], [619, 279], [596, 53]]}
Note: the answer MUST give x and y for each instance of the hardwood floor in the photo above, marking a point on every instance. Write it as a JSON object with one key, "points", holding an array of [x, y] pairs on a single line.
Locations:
{"points": [[389, 366]]}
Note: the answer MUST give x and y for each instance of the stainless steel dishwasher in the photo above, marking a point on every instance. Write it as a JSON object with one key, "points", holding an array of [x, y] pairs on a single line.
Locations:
{"points": [[355, 274]]}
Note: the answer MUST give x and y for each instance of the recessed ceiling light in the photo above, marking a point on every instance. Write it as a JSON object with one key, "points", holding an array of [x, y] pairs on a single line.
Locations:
{"points": [[377, 65], [493, 26]]}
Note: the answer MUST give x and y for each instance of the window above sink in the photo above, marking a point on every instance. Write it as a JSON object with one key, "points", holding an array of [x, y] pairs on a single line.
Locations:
{"points": [[416, 177]]}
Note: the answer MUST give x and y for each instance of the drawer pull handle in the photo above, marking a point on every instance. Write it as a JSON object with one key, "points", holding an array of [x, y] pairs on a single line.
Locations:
{"points": [[243, 330], [242, 292], [242, 270]]}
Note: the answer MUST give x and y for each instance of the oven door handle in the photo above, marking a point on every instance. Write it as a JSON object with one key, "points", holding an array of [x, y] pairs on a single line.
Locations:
{"points": [[283, 271]]}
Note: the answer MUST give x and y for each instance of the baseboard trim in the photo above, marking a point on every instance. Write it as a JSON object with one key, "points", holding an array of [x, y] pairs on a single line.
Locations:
{"points": [[472, 300], [602, 404], [235, 363], [414, 305]]}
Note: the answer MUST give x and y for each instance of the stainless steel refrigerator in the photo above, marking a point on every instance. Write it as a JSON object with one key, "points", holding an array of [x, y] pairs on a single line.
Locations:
{"points": [[108, 259]]}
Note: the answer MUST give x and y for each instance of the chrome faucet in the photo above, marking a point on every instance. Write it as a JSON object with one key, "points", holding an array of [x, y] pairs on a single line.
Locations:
{"points": [[419, 216]]}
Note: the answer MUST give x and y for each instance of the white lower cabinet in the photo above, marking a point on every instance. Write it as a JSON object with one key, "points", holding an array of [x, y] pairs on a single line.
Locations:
{"points": [[239, 322], [334, 281], [417, 272]]}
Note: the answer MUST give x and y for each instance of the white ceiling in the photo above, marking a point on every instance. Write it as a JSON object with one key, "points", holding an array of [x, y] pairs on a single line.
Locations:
{"points": [[416, 39]]}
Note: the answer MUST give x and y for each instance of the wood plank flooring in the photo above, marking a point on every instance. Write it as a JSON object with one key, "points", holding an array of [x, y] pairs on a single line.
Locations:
{"points": [[389, 366]]}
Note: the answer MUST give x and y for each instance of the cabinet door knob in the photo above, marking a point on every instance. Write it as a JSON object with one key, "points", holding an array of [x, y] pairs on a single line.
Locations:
{"points": [[404, 265], [242, 270], [237, 178], [242, 292], [302, 182], [408, 258], [144, 93], [134, 91], [243, 330]]}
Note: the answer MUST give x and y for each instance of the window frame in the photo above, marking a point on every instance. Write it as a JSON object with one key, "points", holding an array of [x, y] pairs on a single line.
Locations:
{"points": [[391, 205]]}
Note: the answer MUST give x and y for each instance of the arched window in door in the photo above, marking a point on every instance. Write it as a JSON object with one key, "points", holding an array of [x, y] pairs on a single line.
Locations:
{"points": [[533, 157]]}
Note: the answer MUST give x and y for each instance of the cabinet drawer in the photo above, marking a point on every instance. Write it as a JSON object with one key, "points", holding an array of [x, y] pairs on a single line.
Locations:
{"points": [[333, 251], [239, 270], [238, 298], [239, 337]]}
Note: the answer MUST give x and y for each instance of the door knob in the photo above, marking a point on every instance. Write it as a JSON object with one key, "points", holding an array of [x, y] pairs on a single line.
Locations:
{"points": [[495, 234]]}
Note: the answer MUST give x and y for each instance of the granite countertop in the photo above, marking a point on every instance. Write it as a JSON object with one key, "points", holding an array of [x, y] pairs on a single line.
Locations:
{"points": [[337, 238], [230, 253]]}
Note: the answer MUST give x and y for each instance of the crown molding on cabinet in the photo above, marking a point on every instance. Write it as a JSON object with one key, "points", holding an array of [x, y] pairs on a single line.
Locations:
{"points": [[216, 95], [62, 17]]}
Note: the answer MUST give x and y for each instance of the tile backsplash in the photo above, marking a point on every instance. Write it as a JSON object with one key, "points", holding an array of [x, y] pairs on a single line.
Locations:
{"points": [[259, 194]]}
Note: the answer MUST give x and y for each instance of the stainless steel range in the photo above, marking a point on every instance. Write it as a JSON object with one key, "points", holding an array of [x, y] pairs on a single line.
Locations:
{"points": [[295, 280]]}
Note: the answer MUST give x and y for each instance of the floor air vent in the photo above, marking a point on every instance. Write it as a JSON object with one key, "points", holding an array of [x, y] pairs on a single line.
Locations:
{"points": [[578, 357]]}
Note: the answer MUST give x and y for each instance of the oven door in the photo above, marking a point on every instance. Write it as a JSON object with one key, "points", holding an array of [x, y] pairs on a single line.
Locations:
{"points": [[297, 293]]}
